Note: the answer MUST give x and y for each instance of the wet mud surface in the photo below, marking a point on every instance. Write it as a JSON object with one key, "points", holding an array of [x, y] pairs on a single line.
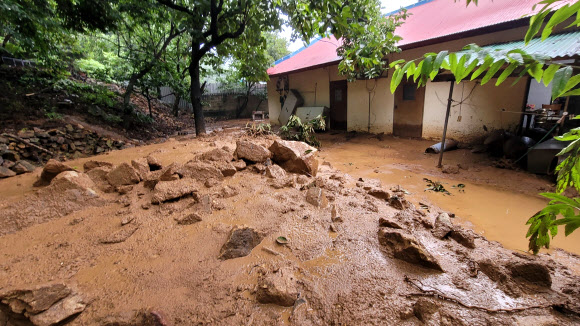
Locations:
{"points": [[356, 251]]}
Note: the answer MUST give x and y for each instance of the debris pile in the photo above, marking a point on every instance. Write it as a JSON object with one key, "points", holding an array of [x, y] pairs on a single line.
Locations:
{"points": [[39, 145]]}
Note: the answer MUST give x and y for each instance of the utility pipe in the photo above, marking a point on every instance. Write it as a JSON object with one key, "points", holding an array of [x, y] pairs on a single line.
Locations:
{"points": [[449, 100]]}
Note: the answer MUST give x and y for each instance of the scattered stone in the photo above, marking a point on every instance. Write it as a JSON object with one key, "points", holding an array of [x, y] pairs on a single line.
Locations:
{"points": [[251, 152], [124, 174], [188, 219], [6, 173], [127, 219], [23, 167], [302, 179], [229, 191], [368, 184], [141, 166], [170, 173], [121, 235], [200, 171], [8, 164], [389, 223], [89, 165], [99, 177], [36, 299], [498, 275], [535, 273], [239, 165], [227, 169], [146, 206], [334, 214], [258, 168], [154, 163], [211, 182], [123, 190], [279, 288], [275, 172], [379, 193], [405, 247], [297, 157], [205, 204], [136, 318], [399, 203], [463, 237], [66, 308], [334, 228], [217, 155], [450, 169], [424, 309], [316, 197], [443, 226], [170, 190], [287, 182], [51, 170], [240, 243]]}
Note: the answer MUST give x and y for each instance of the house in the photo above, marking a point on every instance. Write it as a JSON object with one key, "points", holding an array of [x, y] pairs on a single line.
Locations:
{"points": [[434, 25]]}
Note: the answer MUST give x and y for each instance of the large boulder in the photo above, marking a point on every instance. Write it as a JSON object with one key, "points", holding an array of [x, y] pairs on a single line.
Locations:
{"points": [[200, 171], [72, 180], [443, 226], [404, 246], [99, 177], [6, 173], [171, 190], [23, 167], [51, 170], [141, 166], [294, 156], [240, 243], [278, 288], [251, 152], [275, 172], [89, 165], [123, 175], [43, 305]]}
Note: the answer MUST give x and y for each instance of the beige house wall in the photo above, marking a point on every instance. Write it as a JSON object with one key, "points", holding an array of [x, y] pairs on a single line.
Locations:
{"points": [[483, 107], [474, 107]]}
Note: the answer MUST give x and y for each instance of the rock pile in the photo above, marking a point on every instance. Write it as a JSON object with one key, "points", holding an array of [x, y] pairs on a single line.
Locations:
{"points": [[39, 145]]}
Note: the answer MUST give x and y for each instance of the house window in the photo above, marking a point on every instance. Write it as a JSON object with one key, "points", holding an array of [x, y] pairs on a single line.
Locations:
{"points": [[409, 92]]}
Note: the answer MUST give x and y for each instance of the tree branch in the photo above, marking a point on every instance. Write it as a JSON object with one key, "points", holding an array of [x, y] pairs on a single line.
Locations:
{"points": [[177, 7]]}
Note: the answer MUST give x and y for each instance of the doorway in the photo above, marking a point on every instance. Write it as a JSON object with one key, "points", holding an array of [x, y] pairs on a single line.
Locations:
{"points": [[338, 105], [408, 111]]}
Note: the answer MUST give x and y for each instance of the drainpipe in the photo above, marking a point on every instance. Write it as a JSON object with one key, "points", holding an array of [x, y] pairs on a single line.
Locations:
{"points": [[370, 91], [449, 100]]}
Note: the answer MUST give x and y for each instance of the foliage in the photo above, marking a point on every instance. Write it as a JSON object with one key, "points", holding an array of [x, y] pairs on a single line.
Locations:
{"points": [[295, 129], [547, 220], [260, 129]]}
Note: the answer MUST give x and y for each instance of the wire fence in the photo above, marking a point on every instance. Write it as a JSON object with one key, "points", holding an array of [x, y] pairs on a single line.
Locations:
{"points": [[211, 89], [17, 62]]}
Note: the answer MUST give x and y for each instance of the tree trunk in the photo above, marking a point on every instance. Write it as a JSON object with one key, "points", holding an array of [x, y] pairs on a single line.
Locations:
{"points": [[6, 39], [176, 105], [195, 90], [128, 91], [148, 102]]}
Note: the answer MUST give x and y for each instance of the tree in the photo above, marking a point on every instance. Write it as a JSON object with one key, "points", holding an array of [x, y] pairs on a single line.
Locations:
{"points": [[250, 62], [474, 62], [210, 23]]}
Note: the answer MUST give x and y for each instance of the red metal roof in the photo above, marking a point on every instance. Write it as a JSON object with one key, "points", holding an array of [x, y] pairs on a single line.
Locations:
{"points": [[429, 20]]}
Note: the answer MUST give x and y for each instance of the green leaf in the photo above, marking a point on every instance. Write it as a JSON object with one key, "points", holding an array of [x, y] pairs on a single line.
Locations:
{"points": [[491, 72], [506, 73], [482, 68], [549, 74], [561, 78]]}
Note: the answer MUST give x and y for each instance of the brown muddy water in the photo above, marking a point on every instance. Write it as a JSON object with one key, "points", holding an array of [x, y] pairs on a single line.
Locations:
{"points": [[495, 202]]}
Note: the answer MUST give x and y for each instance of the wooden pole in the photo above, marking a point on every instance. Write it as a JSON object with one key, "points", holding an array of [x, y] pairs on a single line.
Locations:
{"points": [[449, 101], [565, 111]]}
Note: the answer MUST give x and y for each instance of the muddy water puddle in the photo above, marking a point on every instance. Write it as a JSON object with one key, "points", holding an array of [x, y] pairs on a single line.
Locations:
{"points": [[494, 202]]}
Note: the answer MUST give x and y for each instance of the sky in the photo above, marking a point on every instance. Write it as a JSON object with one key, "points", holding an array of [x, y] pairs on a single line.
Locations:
{"points": [[388, 6]]}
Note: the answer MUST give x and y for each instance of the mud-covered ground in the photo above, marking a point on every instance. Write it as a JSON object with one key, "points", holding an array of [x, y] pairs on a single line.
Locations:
{"points": [[353, 256]]}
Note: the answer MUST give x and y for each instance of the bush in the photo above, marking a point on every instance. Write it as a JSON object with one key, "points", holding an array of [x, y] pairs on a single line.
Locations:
{"points": [[296, 130]]}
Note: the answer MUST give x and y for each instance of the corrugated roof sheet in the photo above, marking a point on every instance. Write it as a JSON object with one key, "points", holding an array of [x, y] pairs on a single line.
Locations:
{"points": [[429, 20], [556, 46]]}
